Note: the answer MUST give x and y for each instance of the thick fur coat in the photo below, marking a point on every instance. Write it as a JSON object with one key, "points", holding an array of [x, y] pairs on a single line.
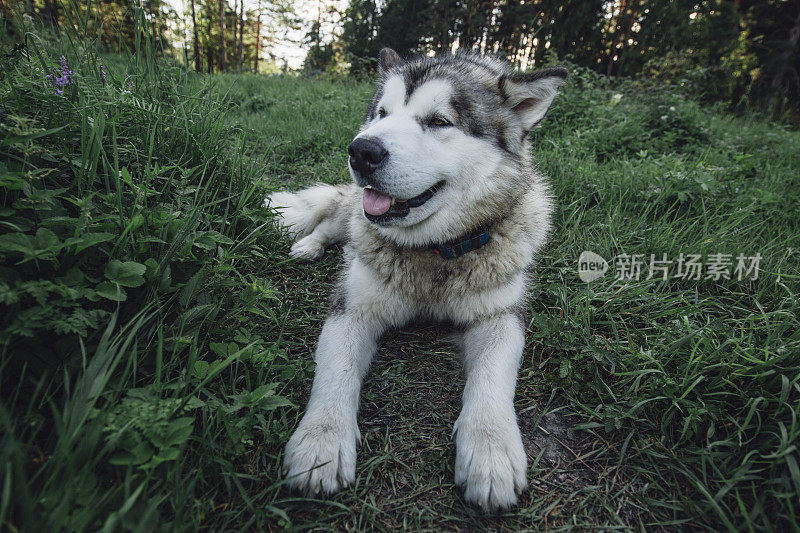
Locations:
{"points": [[442, 154]]}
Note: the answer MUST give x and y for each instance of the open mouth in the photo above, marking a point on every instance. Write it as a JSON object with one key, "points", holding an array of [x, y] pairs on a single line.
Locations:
{"points": [[380, 207]]}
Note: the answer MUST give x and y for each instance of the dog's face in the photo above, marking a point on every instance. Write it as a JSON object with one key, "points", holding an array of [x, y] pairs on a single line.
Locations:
{"points": [[443, 148]]}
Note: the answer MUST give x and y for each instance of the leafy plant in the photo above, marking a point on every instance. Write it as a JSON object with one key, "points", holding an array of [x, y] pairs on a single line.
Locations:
{"points": [[144, 429]]}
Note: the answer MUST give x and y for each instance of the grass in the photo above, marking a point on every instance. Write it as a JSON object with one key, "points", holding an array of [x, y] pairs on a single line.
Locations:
{"points": [[156, 338]]}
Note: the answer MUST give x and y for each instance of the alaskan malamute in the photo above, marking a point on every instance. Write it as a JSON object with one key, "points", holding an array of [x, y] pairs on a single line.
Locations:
{"points": [[444, 221]]}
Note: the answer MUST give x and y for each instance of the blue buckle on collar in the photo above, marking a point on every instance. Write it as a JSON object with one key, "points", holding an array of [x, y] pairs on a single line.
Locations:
{"points": [[459, 247]]}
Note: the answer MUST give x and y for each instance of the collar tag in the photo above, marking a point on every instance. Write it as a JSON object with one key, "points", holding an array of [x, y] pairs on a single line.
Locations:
{"points": [[459, 247]]}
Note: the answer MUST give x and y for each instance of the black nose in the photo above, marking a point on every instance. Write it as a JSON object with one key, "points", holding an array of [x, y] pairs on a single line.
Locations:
{"points": [[366, 154]]}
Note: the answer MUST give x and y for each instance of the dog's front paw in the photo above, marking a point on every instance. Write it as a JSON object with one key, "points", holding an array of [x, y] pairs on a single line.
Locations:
{"points": [[321, 456], [491, 463], [307, 248]]}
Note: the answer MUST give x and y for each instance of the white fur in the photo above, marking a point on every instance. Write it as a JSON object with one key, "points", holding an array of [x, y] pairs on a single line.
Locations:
{"points": [[312, 246], [421, 158], [391, 277], [321, 453], [417, 158], [300, 213], [490, 461]]}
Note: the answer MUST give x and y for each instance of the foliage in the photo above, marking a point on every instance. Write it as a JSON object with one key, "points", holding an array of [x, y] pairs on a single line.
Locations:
{"points": [[117, 26], [157, 339], [359, 26], [143, 430], [133, 238], [741, 53], [745, 54]]}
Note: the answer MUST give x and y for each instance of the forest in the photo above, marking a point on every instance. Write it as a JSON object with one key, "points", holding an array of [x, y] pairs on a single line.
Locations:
{"points": [[744, 54]]}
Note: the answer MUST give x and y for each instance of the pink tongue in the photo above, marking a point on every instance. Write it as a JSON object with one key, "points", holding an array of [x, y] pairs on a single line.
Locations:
{"points": [[376, 203]]}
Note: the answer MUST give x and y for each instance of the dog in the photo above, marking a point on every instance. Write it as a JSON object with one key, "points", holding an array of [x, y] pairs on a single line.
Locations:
{"points": [[443, 220]]}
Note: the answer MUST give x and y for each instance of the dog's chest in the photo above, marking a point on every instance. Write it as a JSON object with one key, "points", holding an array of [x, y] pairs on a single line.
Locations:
{"points": [[451, 289]]}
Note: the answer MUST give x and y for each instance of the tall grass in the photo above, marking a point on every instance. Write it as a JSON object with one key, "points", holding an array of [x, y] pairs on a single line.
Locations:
{"points": [[154, 336], [133, 281]]}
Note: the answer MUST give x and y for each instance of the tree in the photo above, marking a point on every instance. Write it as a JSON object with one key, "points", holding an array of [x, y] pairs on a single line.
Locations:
{"points": [[240, 51], [403, 25], [198, 67], [576, 30], [359, 36], [258, 39], [772, 47], [321, 55], [223, 44]]}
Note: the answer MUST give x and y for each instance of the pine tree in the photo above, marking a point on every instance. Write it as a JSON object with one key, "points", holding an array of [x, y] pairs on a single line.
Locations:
{"points": [[240, 51], [198, 67], [258, 40], [223, 44]]}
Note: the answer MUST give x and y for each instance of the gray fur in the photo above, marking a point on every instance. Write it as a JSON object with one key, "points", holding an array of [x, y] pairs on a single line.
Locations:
{"points": [[391, 275]]}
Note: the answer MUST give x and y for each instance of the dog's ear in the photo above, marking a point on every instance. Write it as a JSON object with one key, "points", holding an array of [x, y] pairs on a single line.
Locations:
{"points": [[530, 95], [388, 59]]}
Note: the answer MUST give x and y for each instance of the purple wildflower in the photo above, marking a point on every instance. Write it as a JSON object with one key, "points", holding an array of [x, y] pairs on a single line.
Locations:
{"points": [[103, 77], [62, 80]]}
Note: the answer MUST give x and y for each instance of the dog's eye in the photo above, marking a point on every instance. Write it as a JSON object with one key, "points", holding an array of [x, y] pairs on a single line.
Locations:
{"points": [[438, 122], [382, 112]]}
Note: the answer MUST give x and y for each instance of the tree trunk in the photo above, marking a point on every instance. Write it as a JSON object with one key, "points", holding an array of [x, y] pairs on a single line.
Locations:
{"points": [[258, 38], [197, 61], [616, 21], [235, 32], [628, 19], [784, 61], [49, 13], [240, 52], [224, 54]]}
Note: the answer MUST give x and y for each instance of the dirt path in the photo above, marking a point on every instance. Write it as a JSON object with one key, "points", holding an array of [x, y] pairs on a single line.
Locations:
{"points": [[411, 398]]}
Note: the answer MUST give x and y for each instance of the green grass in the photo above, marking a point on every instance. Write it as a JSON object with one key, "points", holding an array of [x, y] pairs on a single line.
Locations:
{"points": [[156, 338]]}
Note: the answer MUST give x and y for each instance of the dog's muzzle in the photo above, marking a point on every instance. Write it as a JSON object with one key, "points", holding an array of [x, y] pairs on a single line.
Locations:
{"points": [[382, 208], [367, 154]]}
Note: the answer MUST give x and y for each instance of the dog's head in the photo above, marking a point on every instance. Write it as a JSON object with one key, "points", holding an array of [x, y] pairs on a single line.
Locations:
{"points": [[443, 146]]}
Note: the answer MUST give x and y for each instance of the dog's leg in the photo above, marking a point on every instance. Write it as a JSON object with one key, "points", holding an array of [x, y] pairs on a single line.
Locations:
{"points": [[321, 454], [490, 461], [315, 217], [312, 246]]}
